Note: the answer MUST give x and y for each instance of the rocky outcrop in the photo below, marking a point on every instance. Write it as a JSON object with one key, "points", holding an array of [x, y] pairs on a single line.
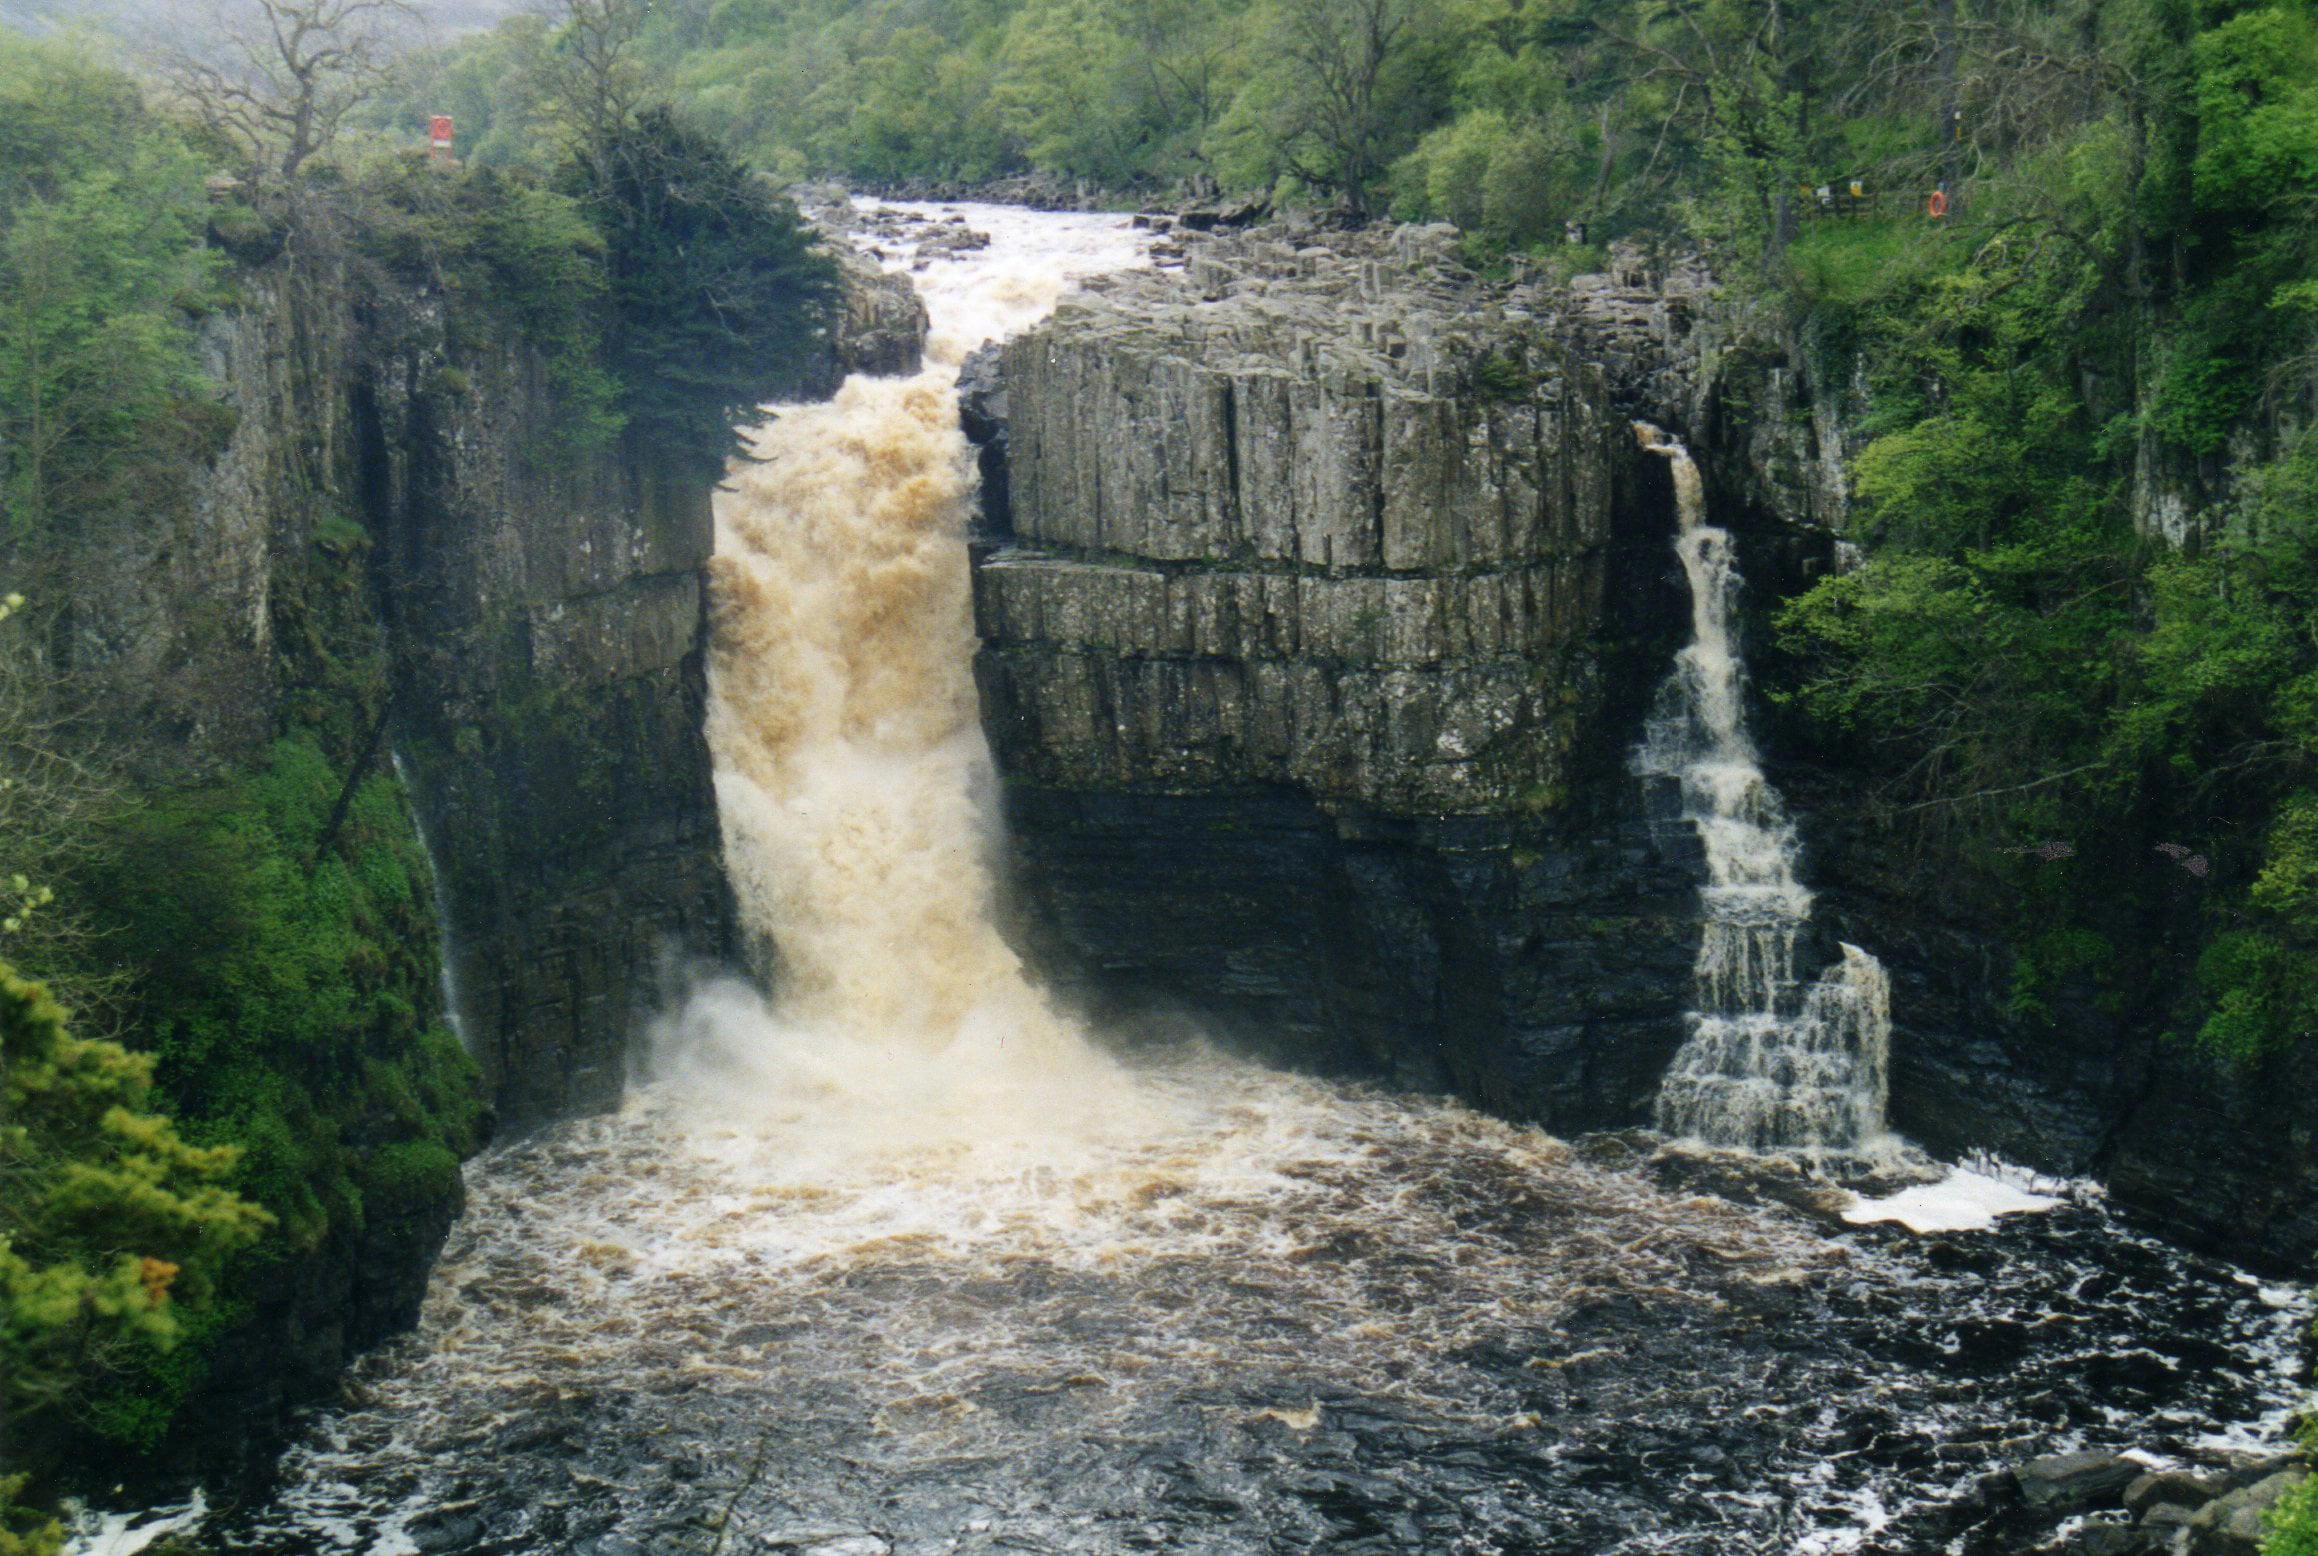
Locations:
{"points": [[2115, 1506], [1317, 624], [881, 329]]}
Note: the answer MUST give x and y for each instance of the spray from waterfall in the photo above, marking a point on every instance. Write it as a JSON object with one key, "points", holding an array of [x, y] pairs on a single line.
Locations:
{"points": [[1769, 1063]]}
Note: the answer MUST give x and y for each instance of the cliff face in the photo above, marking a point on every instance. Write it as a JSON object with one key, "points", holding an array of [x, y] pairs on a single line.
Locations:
{"points": [[1322, 613], [546, 612]]}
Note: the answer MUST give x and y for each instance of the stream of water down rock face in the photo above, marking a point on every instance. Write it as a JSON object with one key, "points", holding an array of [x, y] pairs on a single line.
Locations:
{"points": [[1769, 1064], [903, 1262]]}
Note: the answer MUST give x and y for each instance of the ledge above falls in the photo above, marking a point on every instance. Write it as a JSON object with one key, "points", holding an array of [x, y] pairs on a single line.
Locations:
{"points": [[1319, 615]]}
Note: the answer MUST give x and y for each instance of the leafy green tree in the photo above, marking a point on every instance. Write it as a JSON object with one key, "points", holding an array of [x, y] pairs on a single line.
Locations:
{"points": [[1350, 86], [923, 107], [100, 255], [112, 1229]]}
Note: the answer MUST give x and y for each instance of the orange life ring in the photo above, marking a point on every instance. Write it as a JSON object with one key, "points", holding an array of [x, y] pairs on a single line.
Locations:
{"points": [[1937, 205]]}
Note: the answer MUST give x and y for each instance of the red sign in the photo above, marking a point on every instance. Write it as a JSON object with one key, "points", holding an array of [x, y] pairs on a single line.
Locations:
{"points": [[439, 131]]}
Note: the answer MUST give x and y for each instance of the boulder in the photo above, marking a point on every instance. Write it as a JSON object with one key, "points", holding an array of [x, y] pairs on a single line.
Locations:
{"points": [[2113, 1540], [2072, 1482], [2181, 1488], [2232, 1525]]}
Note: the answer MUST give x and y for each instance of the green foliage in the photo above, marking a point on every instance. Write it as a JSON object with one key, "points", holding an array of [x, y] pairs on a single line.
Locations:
{"points": [[2013, 662], [113, 1230], [517, 260], [1514, 182], [283, 993], [717, 287], [2291, 1527], [26, 1530], [101, 211]]}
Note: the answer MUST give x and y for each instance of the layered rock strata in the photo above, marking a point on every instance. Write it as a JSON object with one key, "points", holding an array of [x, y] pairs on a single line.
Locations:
{"points": [[1317, 626]]}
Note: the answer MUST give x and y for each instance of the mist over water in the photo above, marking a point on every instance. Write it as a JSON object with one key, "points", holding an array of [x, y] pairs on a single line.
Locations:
{"points": [[897, 1261]]}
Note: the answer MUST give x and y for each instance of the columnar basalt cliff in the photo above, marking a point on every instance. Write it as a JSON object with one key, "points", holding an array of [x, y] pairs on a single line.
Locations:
{"points": [[1317, 631]]}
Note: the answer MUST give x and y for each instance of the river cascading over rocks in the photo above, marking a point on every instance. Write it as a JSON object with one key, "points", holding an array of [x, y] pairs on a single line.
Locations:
{"points": [[1769, 1064]]}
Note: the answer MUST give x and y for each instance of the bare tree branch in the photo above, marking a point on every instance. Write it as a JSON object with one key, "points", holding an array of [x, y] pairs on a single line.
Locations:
{"points": [[287, 73]]}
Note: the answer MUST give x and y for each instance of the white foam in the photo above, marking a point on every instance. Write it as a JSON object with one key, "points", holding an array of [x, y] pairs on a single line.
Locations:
{"points": [[1963, 1201], [125, 1534]]}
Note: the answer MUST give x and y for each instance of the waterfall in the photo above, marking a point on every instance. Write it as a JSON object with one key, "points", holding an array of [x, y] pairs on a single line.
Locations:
{"points": [[446, 970], [855, 790], [1769, 1063]]}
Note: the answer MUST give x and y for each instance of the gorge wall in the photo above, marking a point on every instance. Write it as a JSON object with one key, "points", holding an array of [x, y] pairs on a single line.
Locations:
{"points": [[390, 563], [1317, 626]]}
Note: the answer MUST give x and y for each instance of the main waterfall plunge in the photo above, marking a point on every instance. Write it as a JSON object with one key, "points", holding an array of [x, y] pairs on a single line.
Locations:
{"points": [[903, 1263], [854, 785]]}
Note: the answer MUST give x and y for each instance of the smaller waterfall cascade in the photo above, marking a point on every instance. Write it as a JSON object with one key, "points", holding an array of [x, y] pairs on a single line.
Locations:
{"points": [[1770, 1063], [446, 955]]}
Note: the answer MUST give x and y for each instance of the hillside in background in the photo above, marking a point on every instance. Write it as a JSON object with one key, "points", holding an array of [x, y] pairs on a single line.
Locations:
{"points": [[163, 21]]}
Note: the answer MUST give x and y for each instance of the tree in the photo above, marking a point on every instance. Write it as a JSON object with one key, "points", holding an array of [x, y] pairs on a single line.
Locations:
{"points": [[288, 73], [717, 287], [111, 1228], [100, 248], [593, 69], [1356, 78]]}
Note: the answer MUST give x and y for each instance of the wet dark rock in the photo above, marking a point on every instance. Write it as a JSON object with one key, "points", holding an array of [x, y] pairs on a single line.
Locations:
{"points": [[452, 1528], [2103, 1539], [2251, 1469], [1748, 1179], [2182, 1488], [881, 324], [982, 410], [2231, 1525], [2162, 1518], [1223, 214], [2073, 1482]]}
